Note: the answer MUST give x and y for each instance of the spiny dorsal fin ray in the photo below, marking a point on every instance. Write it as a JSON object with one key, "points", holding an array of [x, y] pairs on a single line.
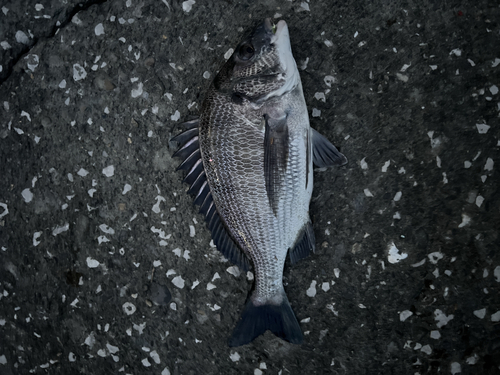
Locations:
{"points": [[189, 151], [324, 153]]}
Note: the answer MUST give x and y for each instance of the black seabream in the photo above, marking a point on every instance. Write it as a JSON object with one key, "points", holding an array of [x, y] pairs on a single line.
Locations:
{"points": [[249, 160]]}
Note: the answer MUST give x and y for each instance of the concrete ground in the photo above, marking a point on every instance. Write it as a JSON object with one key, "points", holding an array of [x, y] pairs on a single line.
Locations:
{"points": [[105, 265]]}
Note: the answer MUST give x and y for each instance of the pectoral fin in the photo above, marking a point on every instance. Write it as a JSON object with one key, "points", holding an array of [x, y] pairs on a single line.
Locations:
{"points": [[275, 157], [324, 153]]}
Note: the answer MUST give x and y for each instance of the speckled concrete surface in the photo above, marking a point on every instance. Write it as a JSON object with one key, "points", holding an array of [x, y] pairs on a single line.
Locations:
{"points": [[105, 265]]}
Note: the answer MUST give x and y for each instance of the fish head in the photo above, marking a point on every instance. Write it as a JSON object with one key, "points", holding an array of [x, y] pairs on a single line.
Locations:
{"points": [[262, 65]]}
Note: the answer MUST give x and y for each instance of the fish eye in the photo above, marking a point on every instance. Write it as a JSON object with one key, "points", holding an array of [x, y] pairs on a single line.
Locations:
{"points": [[246, 51]]}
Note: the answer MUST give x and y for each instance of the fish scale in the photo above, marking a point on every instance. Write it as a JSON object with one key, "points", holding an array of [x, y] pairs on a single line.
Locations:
{"points": [[250, 165]]}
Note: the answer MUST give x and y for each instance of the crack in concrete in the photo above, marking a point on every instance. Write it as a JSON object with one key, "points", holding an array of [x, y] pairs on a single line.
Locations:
{"points": [[55, 28]]}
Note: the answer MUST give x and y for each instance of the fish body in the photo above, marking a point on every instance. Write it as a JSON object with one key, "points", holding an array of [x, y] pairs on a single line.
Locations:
{"points": [[250, 159]]}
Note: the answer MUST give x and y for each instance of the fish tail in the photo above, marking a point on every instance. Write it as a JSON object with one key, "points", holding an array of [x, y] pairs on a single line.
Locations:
{"points": [[257, 319]]}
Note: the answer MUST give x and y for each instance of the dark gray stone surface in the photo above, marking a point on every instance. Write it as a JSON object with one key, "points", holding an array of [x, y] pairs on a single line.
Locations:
{"points": [[104, 263]]}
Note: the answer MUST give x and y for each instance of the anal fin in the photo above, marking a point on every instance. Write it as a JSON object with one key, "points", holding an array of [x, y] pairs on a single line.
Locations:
{"points": [[306, 242]]}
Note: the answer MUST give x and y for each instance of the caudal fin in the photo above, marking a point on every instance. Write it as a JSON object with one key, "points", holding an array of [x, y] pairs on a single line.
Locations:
{"points": [[255, 320]]}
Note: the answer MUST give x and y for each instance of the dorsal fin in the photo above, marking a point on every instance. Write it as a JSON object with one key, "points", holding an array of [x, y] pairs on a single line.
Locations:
{"points": [[189, 152]]}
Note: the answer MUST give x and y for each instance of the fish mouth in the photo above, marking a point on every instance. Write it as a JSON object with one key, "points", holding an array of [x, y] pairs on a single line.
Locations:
{"points": [[280, 32], [275, 29]]}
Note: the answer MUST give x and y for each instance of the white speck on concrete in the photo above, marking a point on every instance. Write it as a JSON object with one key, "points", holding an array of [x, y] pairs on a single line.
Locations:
{"points": [[435, 257], [26, 114], [325, 286], [386, 165], [188, 5], [5, 210], [32, 61], [435, 334], [311, 292], [455, 368], [27, 195], [206, 75], [495, 317], [176, 116], [426, 349], [137, 91], [320, 96], [99, 29], [457, 52], [494, 89], [465, 221], [438, 161], [102, 239], [233, 270], [177, 251], [472, 360], [441, 318], [109, 171], [79, 72], [336, 271], [36, 236], [479, 200], [154, 355], [228, 53], [363, 164], [195, 284], [171, 272], [368, 193], [59, 229], [126, 189], [489, 164], [22, 38], [156, 207], [129, 308], [71, 357], [402, 77], [3, 360], [82, 172], [90, 340], [328, 43], [397, 197], [210, 286], [145, 362], [482, 128], [235, 357], [393, 254], [111, 348], [216, 276], [316, 112], [92, 263], [178, 281], [403, 315], [496, 273], [165, 371], [192, 231], [481, 313], [173, 306], [329, 80], [106, 229]]}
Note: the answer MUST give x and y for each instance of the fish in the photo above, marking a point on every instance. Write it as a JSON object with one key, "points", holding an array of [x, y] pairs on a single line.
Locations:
{"points": [[249, 160]]}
